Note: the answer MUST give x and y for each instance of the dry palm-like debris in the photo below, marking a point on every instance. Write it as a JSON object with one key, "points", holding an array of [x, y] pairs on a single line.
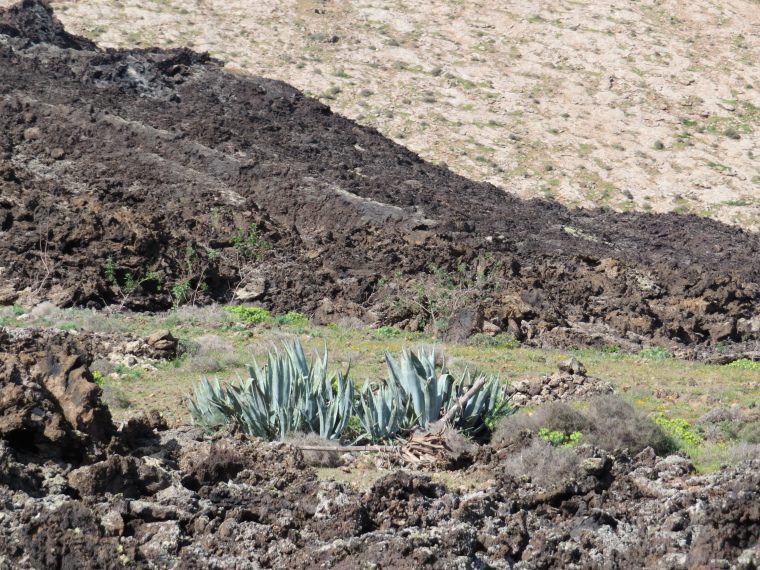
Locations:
{"points": [[425, 448]]}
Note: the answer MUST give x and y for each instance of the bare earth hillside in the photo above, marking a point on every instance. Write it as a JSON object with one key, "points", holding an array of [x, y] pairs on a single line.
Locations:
{"points": [[154, 178], [648, 105]]}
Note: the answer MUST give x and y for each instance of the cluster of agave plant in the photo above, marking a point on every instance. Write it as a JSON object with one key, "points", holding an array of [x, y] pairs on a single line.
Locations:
{"points": [[292, 395]]}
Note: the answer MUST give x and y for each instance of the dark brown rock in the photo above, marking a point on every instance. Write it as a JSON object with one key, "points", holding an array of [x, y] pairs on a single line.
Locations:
{"points": [[335, 219], [463, 325]]}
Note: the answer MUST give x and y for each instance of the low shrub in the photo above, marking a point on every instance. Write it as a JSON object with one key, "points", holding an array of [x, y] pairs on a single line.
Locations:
{"points": [[750, 433], [723, 414], [386, 332], [249, 315], [679, 429], [292, 319], [607, 422], [655, 353], [545, 464], [211, 344], [202, 364], [501, 340], [98, 378], [616, 425], [561, 439], [744, 364]]}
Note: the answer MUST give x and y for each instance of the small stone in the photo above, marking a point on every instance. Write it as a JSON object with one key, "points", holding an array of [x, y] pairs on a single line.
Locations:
{"points": [[32, 134], [573, 366], [593, 465], [162, 340], [130, 360], [57, 153], [491, 329], [113, 523]]}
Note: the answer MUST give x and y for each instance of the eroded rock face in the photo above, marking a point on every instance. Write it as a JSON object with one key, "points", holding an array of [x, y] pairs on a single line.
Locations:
{"points": [[94, 140], [49, 404]]}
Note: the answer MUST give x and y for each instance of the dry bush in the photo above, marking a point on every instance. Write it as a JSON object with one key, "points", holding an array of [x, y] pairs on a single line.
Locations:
{"points": [[722, 414], [546, 465], [743, 451], [607, 422], [713, 433], [94, 321], [616, 425], [750, 433], [554, 416], [350, 323], [203, 364], [44, 309], [316, 458], [459, 446], [212, 344], [210, 314]]}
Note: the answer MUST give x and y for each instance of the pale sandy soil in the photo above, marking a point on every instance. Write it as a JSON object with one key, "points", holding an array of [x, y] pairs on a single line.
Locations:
{"points": [[631, 104]]}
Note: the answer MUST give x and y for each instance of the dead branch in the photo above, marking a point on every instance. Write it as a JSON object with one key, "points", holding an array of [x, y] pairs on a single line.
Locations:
{"points": [[461, 402]]}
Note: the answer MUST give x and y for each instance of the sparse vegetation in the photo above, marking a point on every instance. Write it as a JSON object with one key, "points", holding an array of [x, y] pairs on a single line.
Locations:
{"points": [[289, 395]]}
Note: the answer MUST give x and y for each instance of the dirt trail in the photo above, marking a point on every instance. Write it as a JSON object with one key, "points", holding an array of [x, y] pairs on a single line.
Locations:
{"points": [[135, 177]]}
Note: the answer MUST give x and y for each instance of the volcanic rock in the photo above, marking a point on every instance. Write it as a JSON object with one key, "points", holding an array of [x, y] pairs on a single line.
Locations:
{"points": [[49, 405], [254, 179], [568, 384]]}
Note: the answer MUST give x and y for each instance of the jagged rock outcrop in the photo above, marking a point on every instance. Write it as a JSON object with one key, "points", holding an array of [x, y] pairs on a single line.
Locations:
{"points": [[265, 193]]}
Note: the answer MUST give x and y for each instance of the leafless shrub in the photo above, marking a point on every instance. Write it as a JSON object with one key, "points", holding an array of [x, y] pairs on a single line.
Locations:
{"points": [[44, 309], [723, 414], [607, 422], [458, 445], [750, 433], [95, 321], [616, 425], [316, 458], [210, 314], [211, 344], [350, 323], [546, 465], [743, 451], [554, 416], [202, 364]]}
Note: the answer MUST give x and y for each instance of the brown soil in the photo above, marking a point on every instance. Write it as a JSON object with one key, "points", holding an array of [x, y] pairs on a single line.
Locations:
{"points": [[159, 159]]}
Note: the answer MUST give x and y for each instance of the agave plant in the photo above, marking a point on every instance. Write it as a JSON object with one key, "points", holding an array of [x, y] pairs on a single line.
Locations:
{"points": [[288, 395], [203, 405], [427, 391], [379, 411], [428, 394]]}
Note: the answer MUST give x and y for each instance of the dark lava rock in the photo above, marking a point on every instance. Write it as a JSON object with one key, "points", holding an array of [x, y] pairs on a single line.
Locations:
{"points": [[463, 325], [49, 405], [179, 499], [265, 194]]}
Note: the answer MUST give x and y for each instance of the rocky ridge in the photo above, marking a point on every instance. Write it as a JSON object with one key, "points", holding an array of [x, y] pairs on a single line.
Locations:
{"points": [[268, 196], [647, 105]]}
